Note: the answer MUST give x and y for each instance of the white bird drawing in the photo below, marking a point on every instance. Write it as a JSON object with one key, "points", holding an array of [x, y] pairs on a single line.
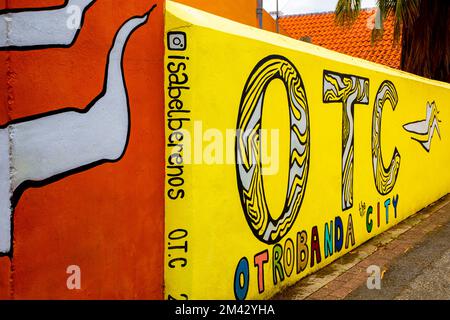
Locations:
{"points": [[423, 130]]}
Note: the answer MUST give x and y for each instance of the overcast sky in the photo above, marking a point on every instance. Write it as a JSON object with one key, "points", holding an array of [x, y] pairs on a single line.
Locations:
{"points": [[308, 6]]}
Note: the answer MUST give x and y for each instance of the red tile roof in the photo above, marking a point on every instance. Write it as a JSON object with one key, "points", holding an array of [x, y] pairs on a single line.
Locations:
{"points": [[322, 29]]}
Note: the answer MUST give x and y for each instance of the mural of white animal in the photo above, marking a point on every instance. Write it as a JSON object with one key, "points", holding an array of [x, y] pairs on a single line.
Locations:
{"points": [[50, 146]]}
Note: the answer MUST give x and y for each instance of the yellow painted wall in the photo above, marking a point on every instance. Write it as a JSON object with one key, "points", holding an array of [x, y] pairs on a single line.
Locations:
{"points": [[245, 230]]}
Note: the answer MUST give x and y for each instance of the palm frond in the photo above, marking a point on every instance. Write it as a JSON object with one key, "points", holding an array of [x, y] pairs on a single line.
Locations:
{"points": [[404, 12], [347, 11], [422, 26]]}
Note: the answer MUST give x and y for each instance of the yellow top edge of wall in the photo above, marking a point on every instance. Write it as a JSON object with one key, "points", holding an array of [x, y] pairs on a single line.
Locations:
{"points": [[211, 21]]}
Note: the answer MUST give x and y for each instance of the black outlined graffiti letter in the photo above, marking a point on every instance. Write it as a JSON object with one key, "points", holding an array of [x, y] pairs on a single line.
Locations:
{"points": [[248, 148], [385, 178], [348, 90]]}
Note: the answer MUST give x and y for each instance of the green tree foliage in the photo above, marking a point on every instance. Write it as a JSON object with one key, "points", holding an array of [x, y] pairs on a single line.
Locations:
{"points": [[421, 27]]}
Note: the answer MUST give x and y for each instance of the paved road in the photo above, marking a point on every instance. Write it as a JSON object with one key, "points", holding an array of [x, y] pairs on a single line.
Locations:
{"points": [[414, 258], [422, 273]]}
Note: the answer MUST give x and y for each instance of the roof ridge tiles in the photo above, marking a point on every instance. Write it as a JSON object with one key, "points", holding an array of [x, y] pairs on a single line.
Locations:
{"points": [[316, 13]]}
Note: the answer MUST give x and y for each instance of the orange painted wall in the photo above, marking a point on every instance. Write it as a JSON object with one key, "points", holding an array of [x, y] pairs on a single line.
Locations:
{"points": [[243, 11], [107, 220], [270, 24]]}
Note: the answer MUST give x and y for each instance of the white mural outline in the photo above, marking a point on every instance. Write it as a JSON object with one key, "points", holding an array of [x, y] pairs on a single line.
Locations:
{"points": [[41, 149]]}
